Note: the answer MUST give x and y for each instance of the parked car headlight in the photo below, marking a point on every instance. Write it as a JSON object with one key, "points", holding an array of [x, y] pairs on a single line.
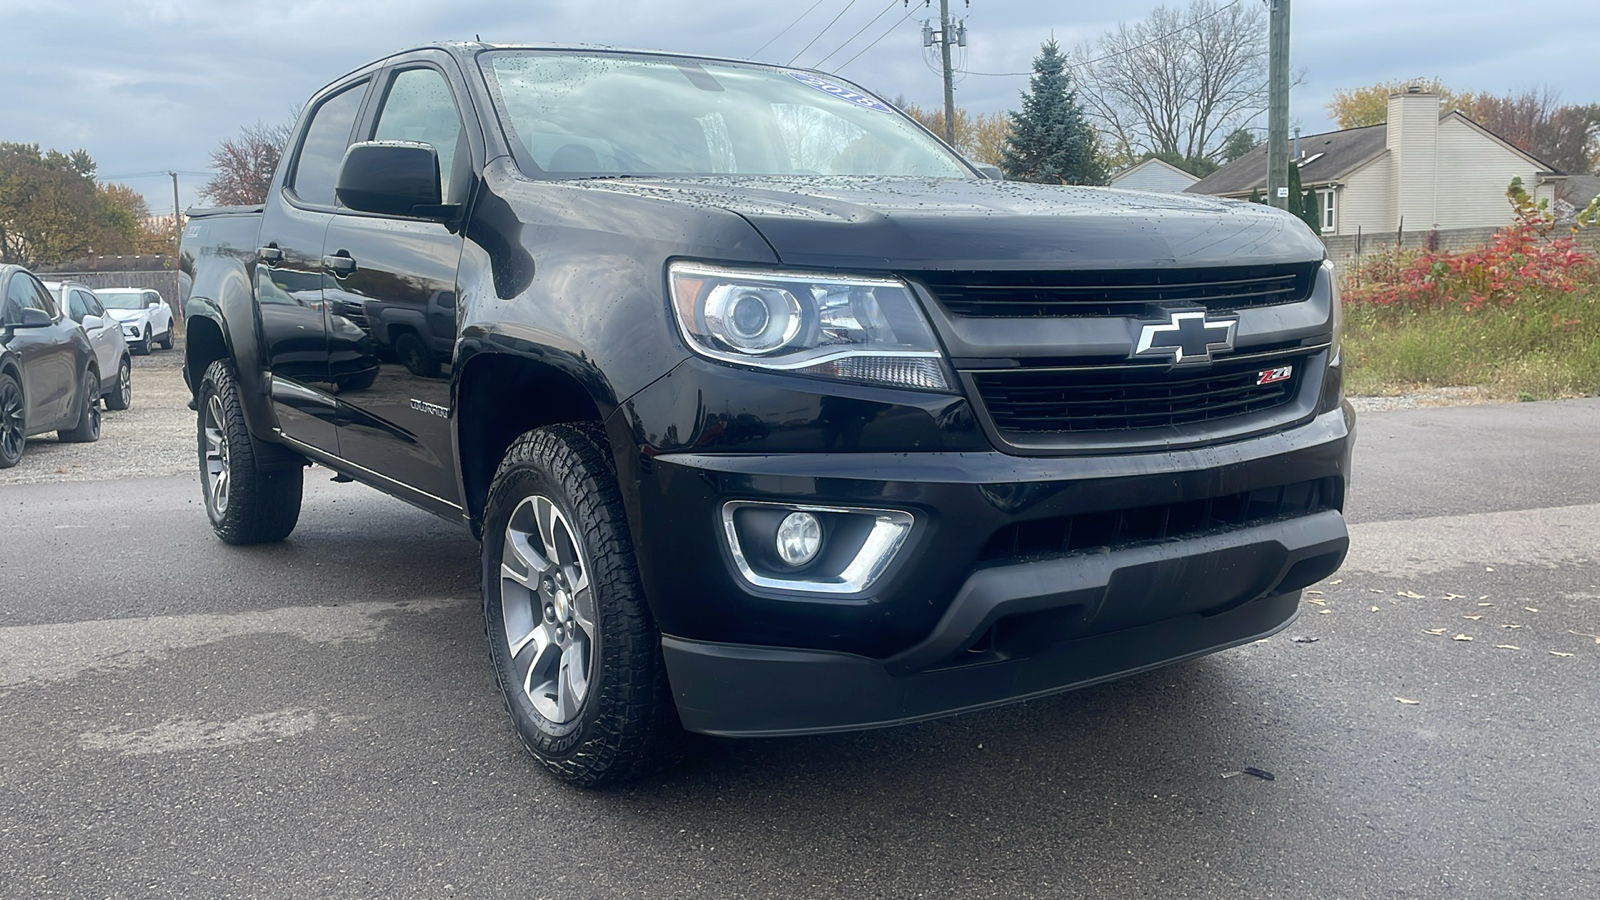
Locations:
{"points": [[833, 326]]}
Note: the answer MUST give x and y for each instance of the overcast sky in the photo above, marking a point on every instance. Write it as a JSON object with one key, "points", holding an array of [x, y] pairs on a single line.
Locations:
{"points": [[151, 85]]}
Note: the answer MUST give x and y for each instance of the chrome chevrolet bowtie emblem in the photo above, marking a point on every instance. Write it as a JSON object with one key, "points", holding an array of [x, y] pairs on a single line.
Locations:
{"points": [[1187, 337]]}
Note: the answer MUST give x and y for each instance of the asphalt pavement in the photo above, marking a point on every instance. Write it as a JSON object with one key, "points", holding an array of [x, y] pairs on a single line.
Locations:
{"points": [[318, 719]]}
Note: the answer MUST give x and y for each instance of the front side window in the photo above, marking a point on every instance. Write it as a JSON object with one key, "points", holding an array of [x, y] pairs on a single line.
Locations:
{"points": [[316, 170], [25, 293], [419, 108], [77, 306], [589, 115]]}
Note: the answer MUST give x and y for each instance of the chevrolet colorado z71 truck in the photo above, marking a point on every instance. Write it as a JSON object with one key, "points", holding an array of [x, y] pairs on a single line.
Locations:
{"points": [[773, 415]]}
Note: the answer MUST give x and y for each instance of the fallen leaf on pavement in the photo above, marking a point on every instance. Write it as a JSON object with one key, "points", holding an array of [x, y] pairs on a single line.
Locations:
{"points": [[1324, 611], [1530, 609], [1510, 626], [1585, 634], [1374, 609], [1317, 600], [1337, 581], [1485, 604], [1409, 595], [1450, 596], [1507, 647], [1408, 702], [1559, 653], [1433, 631], [1462, 637], [1310, 591], [1484, 597], [1377, 591], [1304, 639], [1488, 568], [1473, 618]]}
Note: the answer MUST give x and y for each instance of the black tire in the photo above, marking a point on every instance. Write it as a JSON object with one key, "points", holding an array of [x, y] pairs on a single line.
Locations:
{"points": [[414, 355], [624, 725], [166, 339], [121, 394], [13, 421], [87, 431], [143, 347], [257, 499]]}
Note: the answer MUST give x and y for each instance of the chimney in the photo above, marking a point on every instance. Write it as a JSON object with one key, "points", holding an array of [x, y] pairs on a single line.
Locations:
{"points": [[1413, 141]]}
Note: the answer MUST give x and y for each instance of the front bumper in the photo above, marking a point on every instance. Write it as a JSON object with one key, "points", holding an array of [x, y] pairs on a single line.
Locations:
{"points": [[953, 626]]}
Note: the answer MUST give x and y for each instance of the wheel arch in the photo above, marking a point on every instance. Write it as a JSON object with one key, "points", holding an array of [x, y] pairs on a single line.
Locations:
{"points": [[501, 396]]}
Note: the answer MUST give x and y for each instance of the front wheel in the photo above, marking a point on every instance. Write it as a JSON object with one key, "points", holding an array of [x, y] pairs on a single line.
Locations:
{"points": [[142, 348], [166, 339], [88, 428], [574, 649], [121, 395], [252, 493]]}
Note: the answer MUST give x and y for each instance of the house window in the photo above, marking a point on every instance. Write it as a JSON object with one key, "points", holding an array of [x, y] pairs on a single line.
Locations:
{"points": [[1330, 212]]}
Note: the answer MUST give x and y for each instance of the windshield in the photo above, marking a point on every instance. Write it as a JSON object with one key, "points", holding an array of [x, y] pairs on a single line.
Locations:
{"points": [[121, 299], [593, 115]]}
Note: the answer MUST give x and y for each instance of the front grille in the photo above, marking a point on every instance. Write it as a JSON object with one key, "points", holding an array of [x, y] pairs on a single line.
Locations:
{"points": [[1118, 292], [1121, 528], [1125, 398]]}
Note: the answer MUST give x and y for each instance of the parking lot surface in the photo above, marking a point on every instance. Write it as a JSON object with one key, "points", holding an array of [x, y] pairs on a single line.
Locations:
{"points": [[317, 718]]}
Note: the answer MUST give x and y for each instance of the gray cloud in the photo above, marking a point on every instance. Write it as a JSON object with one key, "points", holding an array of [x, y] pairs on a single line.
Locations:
{"points": [[151, 85]]}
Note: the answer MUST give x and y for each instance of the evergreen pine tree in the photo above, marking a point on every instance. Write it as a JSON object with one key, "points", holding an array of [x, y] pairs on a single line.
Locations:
{"points": [[1303, 203], [1050, 141]]}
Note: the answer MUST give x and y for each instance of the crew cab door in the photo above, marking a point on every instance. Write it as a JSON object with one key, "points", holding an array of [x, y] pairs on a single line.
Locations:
{"points": [[396, 286], [290, 272]]}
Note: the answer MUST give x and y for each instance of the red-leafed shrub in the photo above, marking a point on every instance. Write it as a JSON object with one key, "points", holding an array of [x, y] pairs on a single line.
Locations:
{"points": [[1524, 256]]}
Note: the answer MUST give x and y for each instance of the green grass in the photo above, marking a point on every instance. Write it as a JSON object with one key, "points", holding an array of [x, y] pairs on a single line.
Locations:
{"points": [[1546, 346]]}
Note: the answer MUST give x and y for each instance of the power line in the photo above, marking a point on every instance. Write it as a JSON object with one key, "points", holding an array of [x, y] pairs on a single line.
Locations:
{"points": [[821, 33], [1155, 40], [786, 29], [164, 173], [852, 59], [818, 63]]}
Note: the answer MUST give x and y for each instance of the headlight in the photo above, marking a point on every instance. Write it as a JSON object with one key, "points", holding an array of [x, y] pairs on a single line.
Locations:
{"points": [[834, 326]]}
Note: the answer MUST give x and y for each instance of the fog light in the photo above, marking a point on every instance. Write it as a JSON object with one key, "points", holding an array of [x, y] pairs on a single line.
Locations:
{"points": [[799, 538]]}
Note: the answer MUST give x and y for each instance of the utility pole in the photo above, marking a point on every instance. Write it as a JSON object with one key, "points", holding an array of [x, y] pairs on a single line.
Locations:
{"points": [[177, 256], [1278, 105], [950, 32], [949, 78]]}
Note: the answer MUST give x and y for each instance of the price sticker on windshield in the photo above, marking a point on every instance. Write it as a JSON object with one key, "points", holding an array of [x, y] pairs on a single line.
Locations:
{"points": [[843, 93]]}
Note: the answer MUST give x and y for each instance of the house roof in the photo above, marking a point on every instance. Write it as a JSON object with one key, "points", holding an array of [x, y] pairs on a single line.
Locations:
{"points": [[1579, 190], [1330, 157], [1152, 162]]}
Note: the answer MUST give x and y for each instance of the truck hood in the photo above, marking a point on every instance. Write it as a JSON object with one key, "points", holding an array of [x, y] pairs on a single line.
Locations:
{"points": [[973, 224]]}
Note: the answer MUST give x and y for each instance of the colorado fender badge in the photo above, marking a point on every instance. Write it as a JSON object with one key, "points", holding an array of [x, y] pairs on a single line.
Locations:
{"points": [[1272, 376]]}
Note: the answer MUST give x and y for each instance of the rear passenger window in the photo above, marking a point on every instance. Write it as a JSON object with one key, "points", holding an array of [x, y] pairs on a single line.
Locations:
{"points": [[316, 171]]}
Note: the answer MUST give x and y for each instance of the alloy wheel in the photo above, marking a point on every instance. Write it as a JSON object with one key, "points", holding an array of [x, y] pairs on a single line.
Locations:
{"points": [[216, 461], [13, 420], [548, 609]]}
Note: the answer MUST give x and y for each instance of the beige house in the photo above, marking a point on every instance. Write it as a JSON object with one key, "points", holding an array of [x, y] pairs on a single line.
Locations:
{"points": [[1153, 175], [1418, 172]]}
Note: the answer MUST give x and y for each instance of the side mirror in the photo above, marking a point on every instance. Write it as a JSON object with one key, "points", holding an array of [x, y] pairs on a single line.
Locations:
{"points": [[151, 304], [34, 318], [992, 173], [392, 178]]}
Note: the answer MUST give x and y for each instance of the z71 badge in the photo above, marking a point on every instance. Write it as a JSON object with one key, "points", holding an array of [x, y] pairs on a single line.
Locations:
{"points": [[1272, 376]]}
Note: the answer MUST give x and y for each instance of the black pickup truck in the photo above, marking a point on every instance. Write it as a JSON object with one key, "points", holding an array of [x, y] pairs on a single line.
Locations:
{"points": [[773, 415]]}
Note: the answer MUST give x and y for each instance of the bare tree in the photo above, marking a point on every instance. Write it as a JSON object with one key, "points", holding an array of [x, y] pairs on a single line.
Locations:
{"points": [[245, 164], [1178, 83]]}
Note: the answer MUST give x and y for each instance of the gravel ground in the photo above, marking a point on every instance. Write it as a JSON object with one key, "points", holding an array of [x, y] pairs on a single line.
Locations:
{"points": [[155, 436]]}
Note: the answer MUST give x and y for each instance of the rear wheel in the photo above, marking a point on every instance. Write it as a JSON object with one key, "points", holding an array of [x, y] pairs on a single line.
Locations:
{"points": [[88, 428], [574, 649], [252, 491], [121, 395], [13, 421]]}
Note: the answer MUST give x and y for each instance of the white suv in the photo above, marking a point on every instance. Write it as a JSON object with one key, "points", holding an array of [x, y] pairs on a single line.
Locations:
{"points": [[144, 316]]}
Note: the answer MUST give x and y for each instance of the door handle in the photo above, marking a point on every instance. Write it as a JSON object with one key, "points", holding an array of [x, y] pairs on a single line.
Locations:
{"points": [[340, 265], [270, 255]]}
